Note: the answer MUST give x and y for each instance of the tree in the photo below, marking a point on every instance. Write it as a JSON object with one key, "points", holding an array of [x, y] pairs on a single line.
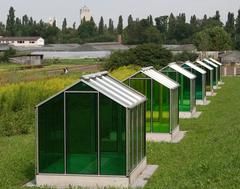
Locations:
{"points": [[64, 24], [213, 39], [237, 26], [141, 32], [101, 26], [87, 29], [193, 20], [230, 25], [74, 26], [111, 26], [130, 19], [162, 23], [150, 19], [217, 16], [120, 25], [2, 28], [10, 26]]}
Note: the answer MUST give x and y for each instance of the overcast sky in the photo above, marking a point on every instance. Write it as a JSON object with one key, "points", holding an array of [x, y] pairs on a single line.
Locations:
{"points": [[44, 9]]}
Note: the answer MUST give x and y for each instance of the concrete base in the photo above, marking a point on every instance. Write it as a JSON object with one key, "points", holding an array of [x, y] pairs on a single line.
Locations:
{"points": [[209, 93], [202, 102], [221, 83], [189, 115], [144, 177], [90, 181], [174, 137], [216, 87]]}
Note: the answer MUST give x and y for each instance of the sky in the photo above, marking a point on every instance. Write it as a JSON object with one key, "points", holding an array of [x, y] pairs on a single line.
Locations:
{"points": [[45, 9]]}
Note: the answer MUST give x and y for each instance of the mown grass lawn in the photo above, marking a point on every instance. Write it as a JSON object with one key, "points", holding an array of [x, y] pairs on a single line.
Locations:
{"points": [[208, 157]]}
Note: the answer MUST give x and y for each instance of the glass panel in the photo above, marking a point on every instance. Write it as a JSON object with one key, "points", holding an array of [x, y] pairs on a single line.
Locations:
{"points": [[144, 86], [81, 87], [161, 108], [185, 93], [184, 89], [193, 98], [81, 132], [198, 85], [140, 135], [174, 109], [129, 141], [51, 135], [112, 137]]}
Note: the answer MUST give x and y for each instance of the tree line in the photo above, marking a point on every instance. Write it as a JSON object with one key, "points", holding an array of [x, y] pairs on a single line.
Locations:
{"points": [[207, 33]]}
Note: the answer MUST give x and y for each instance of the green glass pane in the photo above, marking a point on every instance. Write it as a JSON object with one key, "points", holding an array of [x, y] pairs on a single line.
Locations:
{"points": [[140, 134], [129, 142], [112, 137], [81, 87], [174, 109], [144, 86], [199, 82], [51, 135], [81, 133], [161, 108], [185, 93]]}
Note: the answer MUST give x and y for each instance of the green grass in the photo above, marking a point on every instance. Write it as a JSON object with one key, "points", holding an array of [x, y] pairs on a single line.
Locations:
{"points": [[208, 157], [124, 72]]}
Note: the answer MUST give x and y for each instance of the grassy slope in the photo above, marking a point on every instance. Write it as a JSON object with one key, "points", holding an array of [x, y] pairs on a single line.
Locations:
{"points": [[208, 157]]}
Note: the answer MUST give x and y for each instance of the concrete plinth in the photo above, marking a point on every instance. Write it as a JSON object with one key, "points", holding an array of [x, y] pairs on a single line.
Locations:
{"points": [[144, 177], [204, 102], [220, 83], [216, 87], [211, 93], [92, 181], [174, 137], [189, 115]]}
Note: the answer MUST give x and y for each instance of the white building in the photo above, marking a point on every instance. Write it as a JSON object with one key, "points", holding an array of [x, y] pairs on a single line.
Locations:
{"points": [[85, 12], [22, 41]]}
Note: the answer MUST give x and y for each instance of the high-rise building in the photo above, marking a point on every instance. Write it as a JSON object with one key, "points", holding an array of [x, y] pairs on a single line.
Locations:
{"points": [[85, 12]]}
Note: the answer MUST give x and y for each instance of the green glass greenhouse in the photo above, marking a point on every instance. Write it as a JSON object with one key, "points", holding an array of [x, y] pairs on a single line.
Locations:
{"points": [[95, 127], [209, 76], [215, 72], [200, 89], [187, 99], [219, 70], [162, 114]]}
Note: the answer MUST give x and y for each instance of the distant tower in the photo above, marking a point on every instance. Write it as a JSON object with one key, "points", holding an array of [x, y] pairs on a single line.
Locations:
{"points": [[85, 12], [51, 21]]}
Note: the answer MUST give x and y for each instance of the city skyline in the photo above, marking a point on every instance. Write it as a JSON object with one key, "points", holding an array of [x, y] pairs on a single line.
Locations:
{"points": [[109, 9]]}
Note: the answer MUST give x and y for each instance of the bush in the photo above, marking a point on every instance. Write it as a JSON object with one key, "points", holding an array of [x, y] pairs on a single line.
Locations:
{"points": [[185, 56], [143, 55], [17, 102]]}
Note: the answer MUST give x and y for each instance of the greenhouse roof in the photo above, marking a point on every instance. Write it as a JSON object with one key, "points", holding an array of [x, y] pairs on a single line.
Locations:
{"points": [[114, 89], [211, 63], [182, 71], [215, 61], [159, 77], [204, 65], [191, 65]]}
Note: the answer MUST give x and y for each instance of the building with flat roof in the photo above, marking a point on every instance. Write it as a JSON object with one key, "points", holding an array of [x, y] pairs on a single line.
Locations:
{"points": [[22, 41]]}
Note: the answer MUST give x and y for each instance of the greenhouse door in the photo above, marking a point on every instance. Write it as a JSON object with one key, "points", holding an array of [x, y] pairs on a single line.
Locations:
{"points": [[81, 132]]}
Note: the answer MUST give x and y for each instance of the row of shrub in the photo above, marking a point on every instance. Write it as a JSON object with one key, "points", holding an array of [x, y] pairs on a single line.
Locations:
{"points": [[146, 55], [17, 102]]}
